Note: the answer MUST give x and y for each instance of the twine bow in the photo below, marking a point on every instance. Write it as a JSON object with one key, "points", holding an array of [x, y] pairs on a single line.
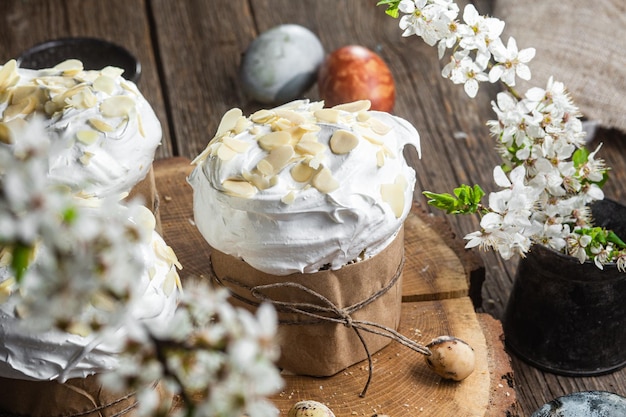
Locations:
{"points": [[326, 311]]}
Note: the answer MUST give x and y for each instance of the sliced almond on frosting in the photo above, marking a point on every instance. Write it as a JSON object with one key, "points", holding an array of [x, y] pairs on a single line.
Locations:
{"points": [[101, 125], [5, 134], [289, 198], [327, 115], [69, 67], [355, 106], [262, 116], [225, 153], [228, 122], [343, 141], [117, 106], [239, 188], [265, 167], [279, 157], [86, 158], [112, 72], [88, 137], [274, 139], [294, 117], [380, 158], [8, 75], [105, 84], [393, 194], [237, 145], [302, 172], [379, 127], [309, 147], [324, 181], [261, 182]]}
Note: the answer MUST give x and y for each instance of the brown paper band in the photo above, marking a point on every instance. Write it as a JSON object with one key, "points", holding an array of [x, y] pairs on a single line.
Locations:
{"points": [[326, 311]]}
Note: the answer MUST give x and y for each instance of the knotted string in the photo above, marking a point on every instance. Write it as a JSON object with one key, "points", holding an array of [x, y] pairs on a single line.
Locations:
{"points": [[326, 311]]}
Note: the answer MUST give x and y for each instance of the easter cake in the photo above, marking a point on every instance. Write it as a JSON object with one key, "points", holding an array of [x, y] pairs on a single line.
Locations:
{"points": [[304, 205], [106, 131]]}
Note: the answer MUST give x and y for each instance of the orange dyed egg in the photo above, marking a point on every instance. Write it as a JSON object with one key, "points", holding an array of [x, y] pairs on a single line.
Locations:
{"points": [[355, 73]]}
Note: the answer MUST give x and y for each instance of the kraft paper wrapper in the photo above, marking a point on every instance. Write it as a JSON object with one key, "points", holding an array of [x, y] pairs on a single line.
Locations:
{"points": [[82, 397], [324, 349], [147, 191]]}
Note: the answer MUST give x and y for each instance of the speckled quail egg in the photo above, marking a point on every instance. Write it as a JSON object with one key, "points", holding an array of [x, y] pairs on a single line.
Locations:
{"points": [[281, 64], [310, 408], [451, 358]]}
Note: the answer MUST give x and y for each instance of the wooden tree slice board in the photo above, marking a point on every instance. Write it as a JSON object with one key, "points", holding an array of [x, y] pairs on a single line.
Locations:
{"points": [[435, 302]]}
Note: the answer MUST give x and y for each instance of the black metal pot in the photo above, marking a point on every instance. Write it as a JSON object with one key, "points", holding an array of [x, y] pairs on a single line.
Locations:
{"points": [[566, 317]]}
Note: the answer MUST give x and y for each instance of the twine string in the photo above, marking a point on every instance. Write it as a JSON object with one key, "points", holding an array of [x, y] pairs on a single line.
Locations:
{"points": [[325, 311]]}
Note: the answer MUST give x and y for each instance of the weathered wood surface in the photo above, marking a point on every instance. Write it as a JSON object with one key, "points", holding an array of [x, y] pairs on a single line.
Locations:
{"points": [[190, 51], [436, 302]]}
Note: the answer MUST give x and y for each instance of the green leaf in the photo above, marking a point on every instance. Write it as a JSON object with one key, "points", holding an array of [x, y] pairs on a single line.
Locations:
{"points": [[580, 157], [466, 200], [392, 7], [612, 237], [20, 260]]}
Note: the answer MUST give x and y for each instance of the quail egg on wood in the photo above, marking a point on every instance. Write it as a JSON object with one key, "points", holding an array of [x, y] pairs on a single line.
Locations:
{"points": [[310, 408], [451, 358]]}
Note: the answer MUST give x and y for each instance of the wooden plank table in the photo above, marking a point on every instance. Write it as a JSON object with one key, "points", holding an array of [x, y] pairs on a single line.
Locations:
{"points": [[190, 51]]}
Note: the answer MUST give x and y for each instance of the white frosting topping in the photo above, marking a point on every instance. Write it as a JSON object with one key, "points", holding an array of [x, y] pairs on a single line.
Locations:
{"points": [[35, 355], [302, 187], [107, 130]]}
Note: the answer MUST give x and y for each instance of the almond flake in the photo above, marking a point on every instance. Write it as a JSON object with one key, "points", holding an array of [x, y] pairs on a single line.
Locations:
{"points": [[8, 75], [86, 158], [289, 198], [101, 125], [226, 153], [324, 181], [379, 127], [279, 157], [294, 117], [327, 115], [380, 158], [239, 188], [22, 92], [309, 137], [261, 182], [343, 141], [5, 134], [236, 145], [393, 194], [368, 134], [88, 137], [363, 116], [302, 172], [104, 84], [310, 127], [263, 116], [355, 106], [69, 67], [228, 122], [117, 106], [142, 132], [241, 125], [309, 147], [265, 167], [112, 72], [274, 139], [281, 124]]}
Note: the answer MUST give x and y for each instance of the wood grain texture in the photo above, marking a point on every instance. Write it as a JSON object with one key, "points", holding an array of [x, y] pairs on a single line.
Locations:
{"points": [[435, 303], [190, 51]]}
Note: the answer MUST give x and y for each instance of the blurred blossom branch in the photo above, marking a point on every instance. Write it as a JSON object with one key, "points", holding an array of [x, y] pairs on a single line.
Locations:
{"points": [[73, 264]]}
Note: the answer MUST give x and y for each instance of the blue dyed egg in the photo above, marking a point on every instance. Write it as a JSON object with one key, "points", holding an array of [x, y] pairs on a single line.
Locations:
{"points": [[281, 64]]}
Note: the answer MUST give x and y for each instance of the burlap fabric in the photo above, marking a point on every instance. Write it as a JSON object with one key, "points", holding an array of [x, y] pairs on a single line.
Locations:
{"points": [[578, 42]]}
